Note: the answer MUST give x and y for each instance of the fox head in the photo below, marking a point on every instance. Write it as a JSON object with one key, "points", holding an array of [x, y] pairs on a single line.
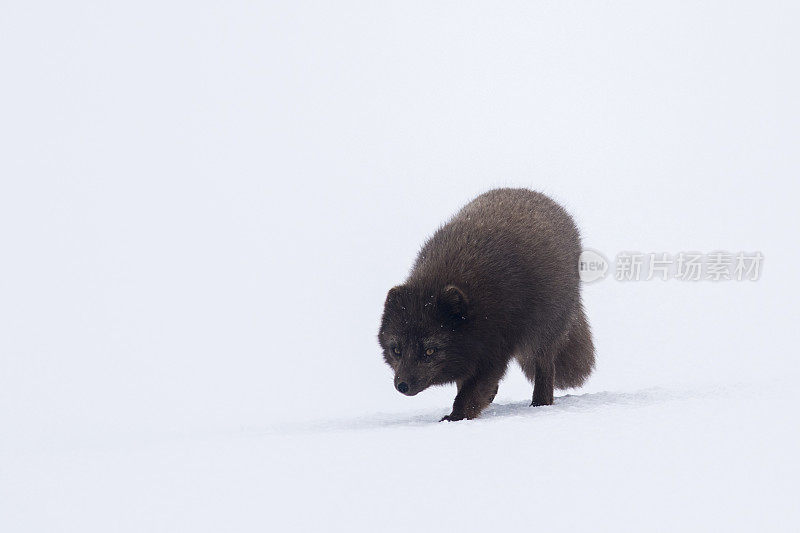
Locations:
{"points": [[423, 336]]}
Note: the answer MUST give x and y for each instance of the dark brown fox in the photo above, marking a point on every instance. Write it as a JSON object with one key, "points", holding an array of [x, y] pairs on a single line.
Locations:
{"points": [[499, 280]]}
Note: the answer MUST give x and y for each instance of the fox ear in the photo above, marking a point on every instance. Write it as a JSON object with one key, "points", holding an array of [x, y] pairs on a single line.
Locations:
{"points": [[453, 303], [395, 293]]}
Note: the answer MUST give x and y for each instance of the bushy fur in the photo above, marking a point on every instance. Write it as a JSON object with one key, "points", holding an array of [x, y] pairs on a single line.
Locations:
{"points": [[499, 280]]}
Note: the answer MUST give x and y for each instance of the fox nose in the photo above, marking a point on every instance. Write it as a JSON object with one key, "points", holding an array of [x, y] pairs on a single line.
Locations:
{"points": [[402, 387]]}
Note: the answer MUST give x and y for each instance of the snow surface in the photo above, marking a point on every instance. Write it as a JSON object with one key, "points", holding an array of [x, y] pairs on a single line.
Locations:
{"points": [[202, 207]]}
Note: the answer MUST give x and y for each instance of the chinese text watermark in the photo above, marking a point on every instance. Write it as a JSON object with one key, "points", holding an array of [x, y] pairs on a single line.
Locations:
{"points": [[683, 266]]}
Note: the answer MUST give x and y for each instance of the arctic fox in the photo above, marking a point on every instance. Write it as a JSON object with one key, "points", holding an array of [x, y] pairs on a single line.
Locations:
{"points": [[499, 280]]}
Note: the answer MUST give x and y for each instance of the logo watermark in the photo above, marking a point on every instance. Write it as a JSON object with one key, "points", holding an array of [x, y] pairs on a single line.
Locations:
{"points": [[682, 266], [593, 266]]}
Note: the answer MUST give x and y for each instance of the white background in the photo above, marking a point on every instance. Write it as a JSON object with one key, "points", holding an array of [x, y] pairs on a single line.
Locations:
{"points": [[202, 207]]}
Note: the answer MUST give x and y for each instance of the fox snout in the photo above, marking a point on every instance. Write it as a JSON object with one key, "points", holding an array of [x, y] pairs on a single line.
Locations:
{"points": [[406, 385]]}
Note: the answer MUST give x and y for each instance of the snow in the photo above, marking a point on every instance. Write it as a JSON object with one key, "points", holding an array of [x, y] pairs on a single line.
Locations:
{"points": [[655, 460], [202, 208]]}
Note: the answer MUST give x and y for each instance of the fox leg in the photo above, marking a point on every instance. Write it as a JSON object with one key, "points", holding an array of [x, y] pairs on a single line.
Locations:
{"points": [[474, 394]]}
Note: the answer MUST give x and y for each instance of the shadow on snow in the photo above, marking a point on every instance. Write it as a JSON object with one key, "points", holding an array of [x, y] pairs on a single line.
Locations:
{"points": [[563, 404]]}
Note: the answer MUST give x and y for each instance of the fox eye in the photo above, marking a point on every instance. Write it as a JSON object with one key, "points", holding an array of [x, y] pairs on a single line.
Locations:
{"points": [[396, 350], [430, 351]]}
